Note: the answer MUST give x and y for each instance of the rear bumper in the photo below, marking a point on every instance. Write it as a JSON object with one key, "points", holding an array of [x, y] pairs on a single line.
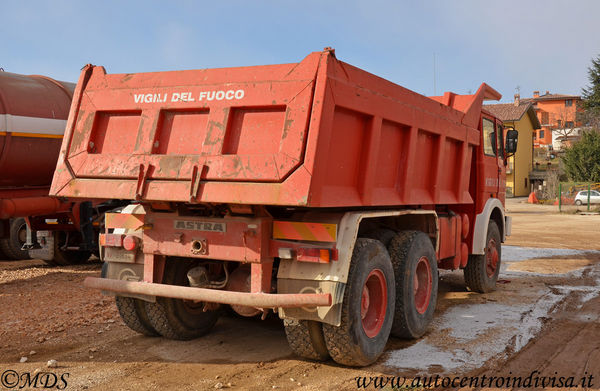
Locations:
{"points": [[259, 300]]}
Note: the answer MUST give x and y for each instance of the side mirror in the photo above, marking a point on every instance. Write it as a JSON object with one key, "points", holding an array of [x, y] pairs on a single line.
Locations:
{"points": [[512, 137]]}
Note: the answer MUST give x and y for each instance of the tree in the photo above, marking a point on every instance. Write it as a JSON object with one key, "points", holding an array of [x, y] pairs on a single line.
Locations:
{"points": [[591, 95], [565, 123], [582, 160]]}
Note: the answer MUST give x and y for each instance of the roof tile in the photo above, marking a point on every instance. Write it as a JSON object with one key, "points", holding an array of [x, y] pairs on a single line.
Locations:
{"points": [[508, 111]]}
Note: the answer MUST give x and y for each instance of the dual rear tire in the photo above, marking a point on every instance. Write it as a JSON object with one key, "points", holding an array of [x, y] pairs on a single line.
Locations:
{"points": [[171, 318], [389, 290]]}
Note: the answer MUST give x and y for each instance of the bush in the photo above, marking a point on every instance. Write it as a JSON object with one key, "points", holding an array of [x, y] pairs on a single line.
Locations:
{"points": [[582, 160]]}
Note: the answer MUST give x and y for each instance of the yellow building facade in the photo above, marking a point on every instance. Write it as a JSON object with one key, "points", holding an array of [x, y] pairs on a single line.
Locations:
{"points": [[522, 117]]}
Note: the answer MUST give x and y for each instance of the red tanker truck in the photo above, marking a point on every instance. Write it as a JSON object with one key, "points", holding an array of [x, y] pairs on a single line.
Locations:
{"points": [[33, 116], [314, 189]]}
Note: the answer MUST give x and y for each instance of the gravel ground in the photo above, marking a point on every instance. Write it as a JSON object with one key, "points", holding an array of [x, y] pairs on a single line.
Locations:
{"points": [[544, 316]]}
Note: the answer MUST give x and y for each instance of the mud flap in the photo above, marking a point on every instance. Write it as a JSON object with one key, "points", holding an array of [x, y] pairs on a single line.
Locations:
{"points": [[127, 272], [331, 315]]}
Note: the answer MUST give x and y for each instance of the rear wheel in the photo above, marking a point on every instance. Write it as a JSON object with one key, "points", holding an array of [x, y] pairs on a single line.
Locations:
{"points": [[177, 318], [416, 274], [12, 245], [306, 339], [133, 313], [67, 257], [367, 308], [482, 271]]}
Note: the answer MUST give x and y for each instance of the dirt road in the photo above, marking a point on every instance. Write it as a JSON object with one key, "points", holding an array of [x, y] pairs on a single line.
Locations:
{"points": [[544, 316]]}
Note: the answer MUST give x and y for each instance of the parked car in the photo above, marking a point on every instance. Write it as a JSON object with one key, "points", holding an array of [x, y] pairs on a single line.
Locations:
{"points": [[582, 197]]}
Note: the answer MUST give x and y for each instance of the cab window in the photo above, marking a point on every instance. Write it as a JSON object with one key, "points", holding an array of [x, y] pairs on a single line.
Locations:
{"points": [[500, 142], [489, 138]]}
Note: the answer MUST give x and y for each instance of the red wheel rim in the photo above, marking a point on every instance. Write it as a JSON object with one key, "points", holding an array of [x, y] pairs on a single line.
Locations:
{"points": [[373, 303], [422, 285], [491, 258]]}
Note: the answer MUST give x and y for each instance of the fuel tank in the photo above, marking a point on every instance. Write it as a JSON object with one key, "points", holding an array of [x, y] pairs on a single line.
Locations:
{"points": [[33, 114]]}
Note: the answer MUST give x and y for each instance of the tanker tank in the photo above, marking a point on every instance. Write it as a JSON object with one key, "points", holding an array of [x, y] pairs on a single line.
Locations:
{"points": [[33, 114]]}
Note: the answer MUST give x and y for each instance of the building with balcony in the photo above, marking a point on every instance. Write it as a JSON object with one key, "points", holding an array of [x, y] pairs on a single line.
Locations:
{"points": [[557, 114]]}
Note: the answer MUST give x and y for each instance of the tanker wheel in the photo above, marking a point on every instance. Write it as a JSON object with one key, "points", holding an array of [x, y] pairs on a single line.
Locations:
{"points": [[416, 274], [482, 271], [177, 318], [367, 307], [67, 257], [133, 313], [306, 339], [11, 246]]}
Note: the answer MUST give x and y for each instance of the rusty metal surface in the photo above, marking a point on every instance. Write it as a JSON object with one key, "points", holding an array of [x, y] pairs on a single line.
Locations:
{"points": [[261, 300], [318, 133], [33, 113]]}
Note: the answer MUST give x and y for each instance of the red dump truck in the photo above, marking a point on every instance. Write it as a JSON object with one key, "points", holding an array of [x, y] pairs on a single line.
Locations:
{"points": [[314, 189], [33, 116]]}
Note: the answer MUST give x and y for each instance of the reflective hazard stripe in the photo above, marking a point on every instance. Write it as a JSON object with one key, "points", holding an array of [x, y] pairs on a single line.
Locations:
{"points": [[292, 230], [38, 135], [124, 220]]}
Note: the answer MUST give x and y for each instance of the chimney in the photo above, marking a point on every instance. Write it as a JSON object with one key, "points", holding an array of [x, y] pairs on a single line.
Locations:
{"points": [[517, 99], [547, 92], [536, 94]]}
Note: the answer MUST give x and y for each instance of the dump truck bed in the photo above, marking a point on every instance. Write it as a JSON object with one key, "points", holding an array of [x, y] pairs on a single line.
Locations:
{"points": [[319, 133]]}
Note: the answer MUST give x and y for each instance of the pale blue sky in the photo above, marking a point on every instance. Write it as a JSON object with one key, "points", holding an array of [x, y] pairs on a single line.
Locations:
{"points": [[535, 44]]}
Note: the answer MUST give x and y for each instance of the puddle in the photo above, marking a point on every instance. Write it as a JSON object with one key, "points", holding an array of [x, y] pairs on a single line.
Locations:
{"points": [[544, 261], [468, 335], [517, 253], [479, 332], [549, 265]]}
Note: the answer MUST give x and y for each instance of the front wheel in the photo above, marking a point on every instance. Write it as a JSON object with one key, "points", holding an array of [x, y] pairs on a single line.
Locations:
{"points": [[482, 270], [578, 202], [367, 308]]}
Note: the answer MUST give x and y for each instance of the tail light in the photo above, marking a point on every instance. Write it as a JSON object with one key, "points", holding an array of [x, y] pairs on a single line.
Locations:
{"points": [[130, 243]]}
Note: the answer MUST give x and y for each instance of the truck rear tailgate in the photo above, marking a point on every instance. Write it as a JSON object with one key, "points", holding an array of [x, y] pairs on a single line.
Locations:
{"points": [[318, 133], [164, 136]]}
